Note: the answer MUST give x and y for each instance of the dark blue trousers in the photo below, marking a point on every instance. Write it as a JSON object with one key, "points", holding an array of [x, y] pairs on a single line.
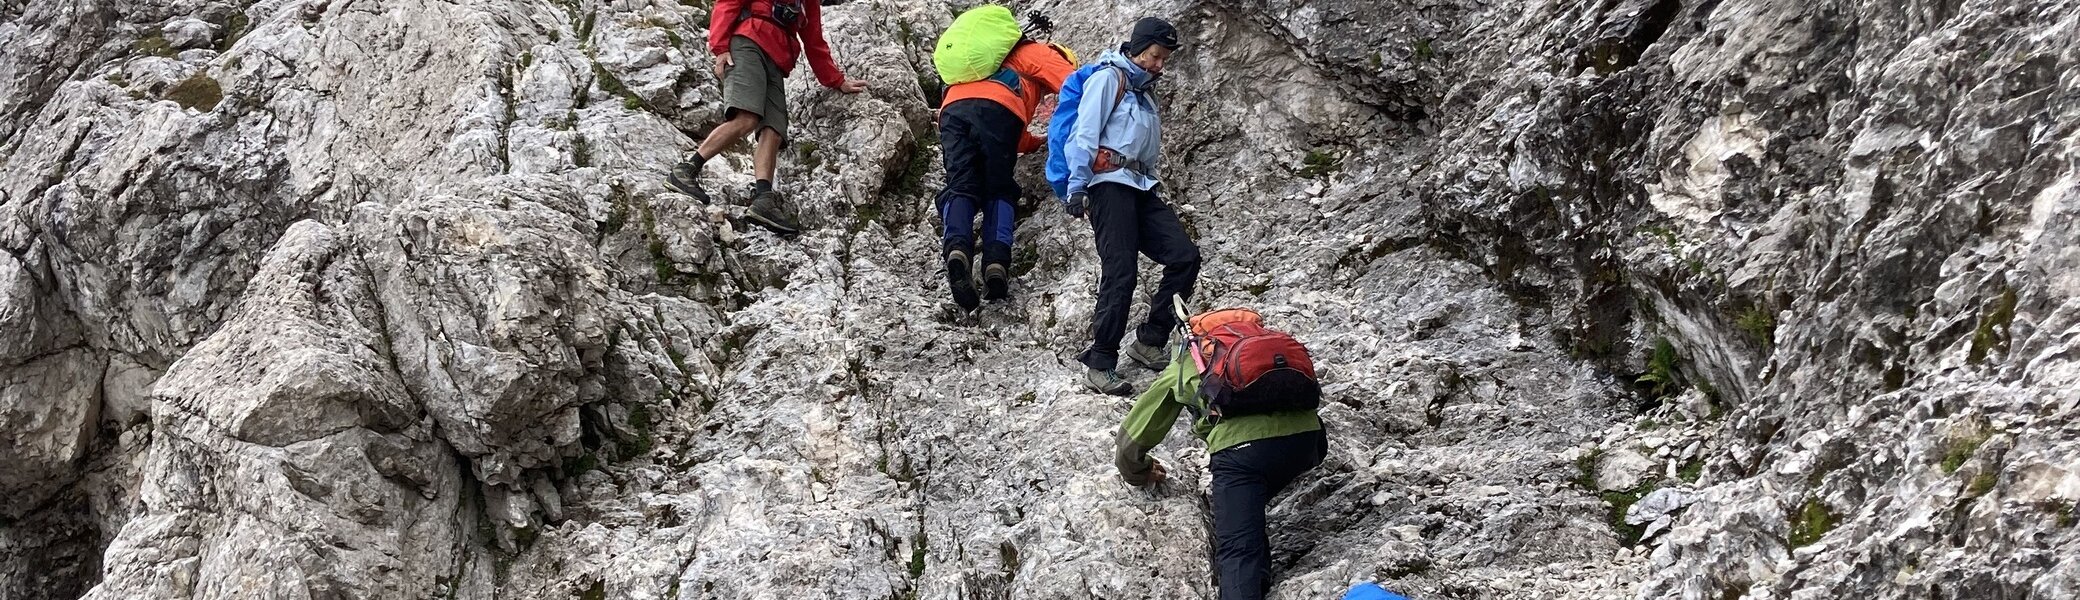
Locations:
{"points": [[1245, 478], [979, 141]]}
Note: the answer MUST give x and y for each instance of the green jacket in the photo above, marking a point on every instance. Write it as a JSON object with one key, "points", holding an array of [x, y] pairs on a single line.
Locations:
{"points": [[1176, 389]]}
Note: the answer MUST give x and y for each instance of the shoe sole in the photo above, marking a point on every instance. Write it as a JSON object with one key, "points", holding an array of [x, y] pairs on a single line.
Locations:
{"points": [[771, 225], [1154, 366], [996, 288], [1125, 390], [963, 286], [685, 188]]}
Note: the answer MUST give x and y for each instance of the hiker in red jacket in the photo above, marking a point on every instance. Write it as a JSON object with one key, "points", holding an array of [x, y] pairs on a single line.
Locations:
{"points": [[755, 44]]}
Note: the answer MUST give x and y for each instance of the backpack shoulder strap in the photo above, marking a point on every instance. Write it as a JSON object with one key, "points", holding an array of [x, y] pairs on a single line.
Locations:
{"points": [[1122, 95]]}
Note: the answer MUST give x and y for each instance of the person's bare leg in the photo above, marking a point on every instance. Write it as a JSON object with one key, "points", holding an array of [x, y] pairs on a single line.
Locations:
{"points": [[767, 158], [729, 132]]}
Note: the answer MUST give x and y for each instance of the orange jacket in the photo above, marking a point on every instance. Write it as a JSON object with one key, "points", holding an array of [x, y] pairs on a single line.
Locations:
{"points": [[1041, 71]]}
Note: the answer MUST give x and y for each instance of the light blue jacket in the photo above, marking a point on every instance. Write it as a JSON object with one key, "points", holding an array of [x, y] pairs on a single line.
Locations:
{"points": [[1129, 126]]}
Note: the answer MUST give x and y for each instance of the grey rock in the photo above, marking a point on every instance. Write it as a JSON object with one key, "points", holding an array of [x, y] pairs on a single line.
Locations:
{"points": [[386, 300]]}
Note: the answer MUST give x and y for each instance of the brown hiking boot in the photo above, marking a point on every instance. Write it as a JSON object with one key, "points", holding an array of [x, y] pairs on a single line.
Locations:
{"points": [[686, 178], [769, 212]]}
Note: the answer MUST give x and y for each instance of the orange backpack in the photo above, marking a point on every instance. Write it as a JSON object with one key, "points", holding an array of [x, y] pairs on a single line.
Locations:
{"points": [[1246, 368]]}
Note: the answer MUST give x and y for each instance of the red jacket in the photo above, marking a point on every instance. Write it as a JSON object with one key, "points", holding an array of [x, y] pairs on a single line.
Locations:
{"points": [[780, 44]]}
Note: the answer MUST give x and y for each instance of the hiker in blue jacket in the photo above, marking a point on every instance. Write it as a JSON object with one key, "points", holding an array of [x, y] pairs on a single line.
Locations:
{"points": [[1113, 153]]}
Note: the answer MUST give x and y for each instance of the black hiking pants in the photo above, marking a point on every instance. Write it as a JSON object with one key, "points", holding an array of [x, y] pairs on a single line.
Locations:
{"points": [[1245, 478], [978, 139], [1126, 221]]}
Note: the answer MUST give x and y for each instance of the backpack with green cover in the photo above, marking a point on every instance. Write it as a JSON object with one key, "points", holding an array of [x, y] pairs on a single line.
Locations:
{"points": [[975, 46]]}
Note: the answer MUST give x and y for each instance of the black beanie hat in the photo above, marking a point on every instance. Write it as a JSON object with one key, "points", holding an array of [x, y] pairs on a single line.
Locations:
{"points": [[1150, 31]]}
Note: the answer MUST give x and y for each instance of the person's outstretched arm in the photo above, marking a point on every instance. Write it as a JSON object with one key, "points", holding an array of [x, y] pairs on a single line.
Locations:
{"points": [[819, 52], [1149, 421]]}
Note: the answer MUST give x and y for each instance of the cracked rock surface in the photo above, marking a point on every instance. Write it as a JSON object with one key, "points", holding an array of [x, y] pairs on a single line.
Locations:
{"points": [[1699, 299]]}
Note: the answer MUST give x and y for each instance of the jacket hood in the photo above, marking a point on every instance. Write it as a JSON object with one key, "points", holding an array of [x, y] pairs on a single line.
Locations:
{"points": [[1137, 77]]}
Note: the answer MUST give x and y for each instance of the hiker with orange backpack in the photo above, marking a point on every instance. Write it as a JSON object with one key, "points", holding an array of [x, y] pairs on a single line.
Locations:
{"points": [[1253, 394], [1104, 148], [982, 131], [755, 44]]}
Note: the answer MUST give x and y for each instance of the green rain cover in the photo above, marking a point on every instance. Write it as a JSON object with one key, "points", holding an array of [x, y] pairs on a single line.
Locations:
{"points": [[975, 46]]}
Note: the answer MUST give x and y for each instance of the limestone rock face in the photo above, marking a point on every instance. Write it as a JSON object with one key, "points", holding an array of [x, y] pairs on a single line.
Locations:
{"points": [[1624, 299]]}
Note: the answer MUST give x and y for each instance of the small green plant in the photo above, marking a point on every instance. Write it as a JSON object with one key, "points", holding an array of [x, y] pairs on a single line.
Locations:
{"points": [[1421, 50], [917, 555], [1619, 503], [234, 28], [155, 45], [1993, 331], [1376, 62], [1961, 449], [198, 91], [1759, 323], [1812, 521], [1691, 471], [1585, 469], [581, 151], [1663, 372], [1319, 163], [1982, 483]]}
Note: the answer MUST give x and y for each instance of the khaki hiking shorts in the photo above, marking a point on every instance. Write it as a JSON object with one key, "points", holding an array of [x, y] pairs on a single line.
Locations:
{"points": [[754, 85]]}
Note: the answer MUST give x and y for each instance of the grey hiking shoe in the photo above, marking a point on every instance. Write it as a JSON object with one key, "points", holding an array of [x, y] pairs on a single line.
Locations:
{"points": [[686, 178], [1106, 382], [1145, 355], [996, 282], [961, 280], [768, 212]]}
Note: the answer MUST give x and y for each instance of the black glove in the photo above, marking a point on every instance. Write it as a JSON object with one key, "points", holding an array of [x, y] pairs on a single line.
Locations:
{"points": [[1076, 204]]}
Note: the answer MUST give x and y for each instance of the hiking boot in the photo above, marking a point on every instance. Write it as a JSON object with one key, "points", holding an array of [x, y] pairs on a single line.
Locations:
{"points": [[767, 212], [686, 178], [996, 282], [960, 279], [1145, 355], [1106, 381]]}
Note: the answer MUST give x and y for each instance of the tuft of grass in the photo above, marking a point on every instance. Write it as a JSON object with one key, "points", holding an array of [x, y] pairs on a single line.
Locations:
{"points": [[154, 45], [1961, 449], [1421, 50], [917, 556], [1691, 471], [198, 91], [1811, 523], [1319, 163], [1620, 502], [1759, 323], [235, 27], [1585, 467], [1994, 328], [1982, 483]]}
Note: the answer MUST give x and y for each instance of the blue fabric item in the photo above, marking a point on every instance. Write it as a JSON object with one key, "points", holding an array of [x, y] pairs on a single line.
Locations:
{"points": [[958, 213], [1371, 591], [1058, 127], [999, 221], [1130, 126]]}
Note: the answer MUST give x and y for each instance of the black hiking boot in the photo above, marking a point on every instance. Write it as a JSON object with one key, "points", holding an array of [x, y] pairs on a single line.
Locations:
{"points": [[686, 178], [768, 212], [961, 280], [996, 282]]}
